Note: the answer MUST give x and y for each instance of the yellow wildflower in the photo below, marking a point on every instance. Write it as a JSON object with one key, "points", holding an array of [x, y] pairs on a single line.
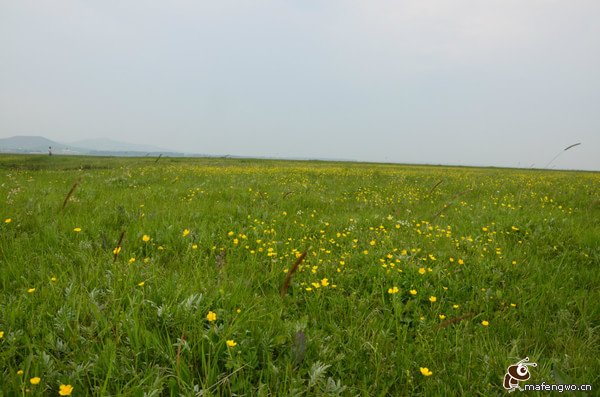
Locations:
{"points": [[186, 232], [65, 390], [425, 371], [146, 238], [432, 298], [231, 343], [77, 229], [324, 282], [485, 323], [211, 316], [7, 221], [422, 270], [413, 291], [35, 380], [30, 290]]}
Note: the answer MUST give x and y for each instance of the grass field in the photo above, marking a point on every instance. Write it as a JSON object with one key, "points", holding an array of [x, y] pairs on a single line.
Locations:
{"points": [[402, 273]]}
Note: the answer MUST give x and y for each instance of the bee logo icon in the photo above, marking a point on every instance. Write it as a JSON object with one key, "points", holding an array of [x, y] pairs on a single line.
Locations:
{"points": [[516, 373]]}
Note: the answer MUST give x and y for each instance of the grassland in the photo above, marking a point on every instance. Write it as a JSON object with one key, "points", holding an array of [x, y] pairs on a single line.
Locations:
{"points": [[463, 277]]}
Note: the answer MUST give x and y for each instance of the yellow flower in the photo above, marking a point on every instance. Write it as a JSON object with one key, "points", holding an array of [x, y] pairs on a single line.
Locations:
{"points": [[65, 390], [422, 271], [131, 260], [485, 323], [77, 229], [1, 334], [117, 250], [211, 316], [7, 221], [34, 381], [238, 310], [194, 247], [425, 371], [31, 290], [20, 372], [316, 285], [455, 306], [230, 234], [393, 290], [413, 291], [432, 298], [146, 238], [186, 232], [53, 279], [372, 242], [324, 282], [461, 262], [141, 284], [231, 343], [442, 316]]}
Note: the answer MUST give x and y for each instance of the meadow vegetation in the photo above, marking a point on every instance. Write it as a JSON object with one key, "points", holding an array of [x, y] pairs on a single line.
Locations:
{"points": [[165, 277]]}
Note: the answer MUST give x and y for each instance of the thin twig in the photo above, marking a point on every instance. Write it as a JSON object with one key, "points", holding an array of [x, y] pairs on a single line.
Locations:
{"points": [[69, 194], [158, 158], [183, 336], [436, 185], [441, 211], [461, 193], [291, 272], [454, 320], [288, 193], [593, 202], [117, 249]]}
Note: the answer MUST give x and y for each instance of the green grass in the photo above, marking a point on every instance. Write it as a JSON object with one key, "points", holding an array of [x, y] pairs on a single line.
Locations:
{"points": [[519, 250]]}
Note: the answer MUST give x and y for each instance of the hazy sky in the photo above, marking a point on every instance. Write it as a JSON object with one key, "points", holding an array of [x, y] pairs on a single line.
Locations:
{"points": [[494, 82]]}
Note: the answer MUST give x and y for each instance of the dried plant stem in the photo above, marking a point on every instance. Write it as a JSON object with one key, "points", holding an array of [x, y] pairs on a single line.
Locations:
{"points": [[181, 340], [158, 158], [454, 320], [118, 246], [286, 283], [593, 203], [461, 193], [288, 193], [436, 185], [69, 194]]}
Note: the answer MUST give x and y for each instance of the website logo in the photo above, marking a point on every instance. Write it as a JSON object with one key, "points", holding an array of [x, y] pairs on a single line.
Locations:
{"points": [[517, 373]]}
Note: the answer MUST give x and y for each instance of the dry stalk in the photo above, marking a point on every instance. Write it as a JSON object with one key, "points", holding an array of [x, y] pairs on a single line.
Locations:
{"points": [[454, 320], [286, 283], [436, 185], [183, 336], [118, 246], [69, 194]]}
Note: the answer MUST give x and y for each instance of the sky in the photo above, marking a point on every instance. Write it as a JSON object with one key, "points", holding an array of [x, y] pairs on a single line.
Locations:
{"points": [[507, 83]]}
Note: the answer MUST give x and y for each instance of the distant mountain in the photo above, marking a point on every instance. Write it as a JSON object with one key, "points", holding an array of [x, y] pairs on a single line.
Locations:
{"points": [[109, 145], [93, 147], [35, 144]]}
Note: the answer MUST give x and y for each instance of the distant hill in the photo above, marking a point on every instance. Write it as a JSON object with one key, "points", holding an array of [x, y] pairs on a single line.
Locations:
{"points": [[109, 145], [92, 147], [35, 144]]}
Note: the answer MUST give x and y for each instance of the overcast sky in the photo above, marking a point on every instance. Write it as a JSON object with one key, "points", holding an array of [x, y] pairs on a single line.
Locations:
{"points": [[494, 82]]}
